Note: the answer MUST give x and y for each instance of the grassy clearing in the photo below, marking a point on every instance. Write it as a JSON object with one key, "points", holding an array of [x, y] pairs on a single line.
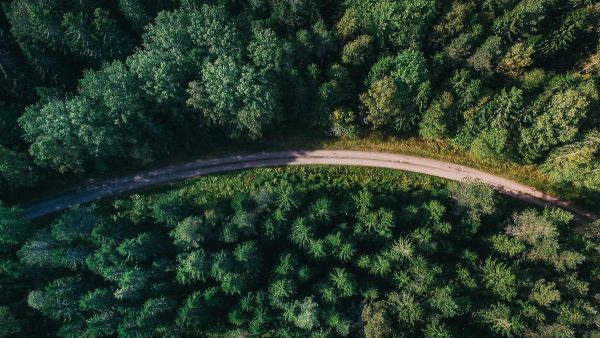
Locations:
{"points": [[442, 150], [309, 178]]}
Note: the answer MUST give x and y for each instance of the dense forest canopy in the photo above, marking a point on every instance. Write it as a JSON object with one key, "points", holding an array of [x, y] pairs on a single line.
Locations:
{"points": [[88, 86], [305, 252]]}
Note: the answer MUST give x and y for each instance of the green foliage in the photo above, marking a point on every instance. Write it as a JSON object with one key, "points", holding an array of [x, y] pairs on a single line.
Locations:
{"points": [[435, 119], [266, 50], [406, 307], [192, 267], [507, 246], [16, 170], [235, 96], [126, 82], [486, 56], [166, 61], [14, 229], [518, 57], [102, 122], [170, 209], [97, 85], [474, 196], [499, 279], [99, 300], [544, 293], [393, 82], [302, 314], [335, 91], [385, 245], [376, 324], [522, 20], [190, 232], [54, 140], [37, 251], [558, 111], [59, 299], [60, 40], [501, 321], [540, 234], [135, 12], [395, 24], [75, 224], [358, 51], [576, 164], [561, 37], [9, 325]]}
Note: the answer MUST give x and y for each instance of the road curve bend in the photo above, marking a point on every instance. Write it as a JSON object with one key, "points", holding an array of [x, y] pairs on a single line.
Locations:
{"points": [[92, 191]]}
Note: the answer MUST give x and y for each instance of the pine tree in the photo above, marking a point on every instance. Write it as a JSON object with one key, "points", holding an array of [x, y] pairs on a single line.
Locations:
{"points": [[499, 279], [343, 281], [193, 266], [74, 225], [131, 283], [303, 314], [476, 197], [376, 323], [301, 233], [190, 232], [499, 320], [59, 300], [38, 250], [198, 308]]}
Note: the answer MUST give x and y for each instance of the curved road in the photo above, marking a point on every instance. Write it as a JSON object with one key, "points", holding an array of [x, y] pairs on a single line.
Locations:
{"points": [[92, 191]]}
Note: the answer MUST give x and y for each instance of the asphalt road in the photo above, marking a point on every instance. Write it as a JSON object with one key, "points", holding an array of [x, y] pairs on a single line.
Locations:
{"points": [[92, 190]]}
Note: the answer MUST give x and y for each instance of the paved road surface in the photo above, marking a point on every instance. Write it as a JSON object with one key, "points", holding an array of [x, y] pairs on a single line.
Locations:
{"points": [[92, 191]]}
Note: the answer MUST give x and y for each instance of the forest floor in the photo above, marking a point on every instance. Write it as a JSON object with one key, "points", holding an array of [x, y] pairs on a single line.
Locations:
{"points": [[94, 190]]}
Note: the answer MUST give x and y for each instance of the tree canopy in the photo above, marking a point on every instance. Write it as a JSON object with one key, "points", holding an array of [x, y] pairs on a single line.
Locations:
{"points": [[92, 86], [365, 252]]}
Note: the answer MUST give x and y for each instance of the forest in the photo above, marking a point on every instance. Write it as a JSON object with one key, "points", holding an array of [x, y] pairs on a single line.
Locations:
{"points": [[94, 88], [302, 252], [90, 86]]}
